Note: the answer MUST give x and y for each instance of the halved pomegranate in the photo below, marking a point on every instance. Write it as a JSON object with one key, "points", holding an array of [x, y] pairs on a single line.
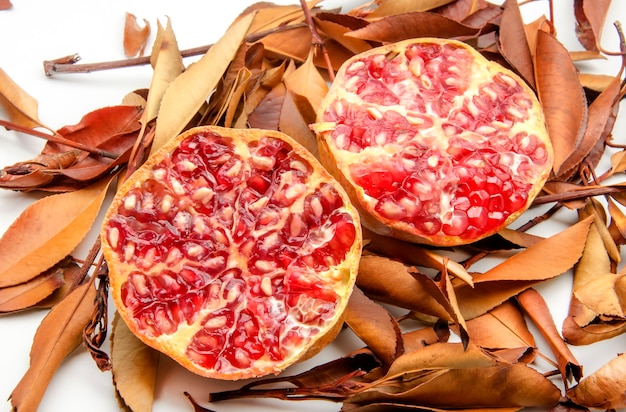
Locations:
{"points": [[433, 142], [232, 251]]}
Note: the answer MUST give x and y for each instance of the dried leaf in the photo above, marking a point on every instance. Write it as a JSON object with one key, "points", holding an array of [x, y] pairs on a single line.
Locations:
{"points": [[390, 281], [47, 231], [599, 115], [26, 295], [375, 326], [5, 4], [603, 389], [58, 335], [561, 97], [73, 276], [36, 172], [20, 107], [134, 368], [546, 259], [536, 308], [307, 81], [295, 117], [590, 17], [412, 25], [513, 42], [330, 25], [386, 8], [445, 375], [189, 91], [135, 36], [604, 296], [266, 115], [503, 327]]}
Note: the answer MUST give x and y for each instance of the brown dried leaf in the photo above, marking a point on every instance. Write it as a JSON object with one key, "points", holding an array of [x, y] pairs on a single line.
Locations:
{"points": [[21, 107], [189, 91], [561, 96], [603, 389], [503, 327], [386, 8], [134, 368], [390, 281], [135, 36], [37, 172], [57, 336], [295, 117], [604, 296], [513, 42], [329, 24], [73, 276], [599, 115], [546, 259], [536, 308], [266, 115], [47, 231], [590, 17], [375, 326], [412, 25], [445, 375], [461, 10]]}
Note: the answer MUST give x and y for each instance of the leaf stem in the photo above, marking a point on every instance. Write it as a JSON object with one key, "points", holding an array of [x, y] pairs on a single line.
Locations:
{"points": [[57, 138]]}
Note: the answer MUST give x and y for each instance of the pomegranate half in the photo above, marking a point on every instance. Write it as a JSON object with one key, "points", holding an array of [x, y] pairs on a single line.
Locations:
{"points": [[433, 142], [232, 251]]}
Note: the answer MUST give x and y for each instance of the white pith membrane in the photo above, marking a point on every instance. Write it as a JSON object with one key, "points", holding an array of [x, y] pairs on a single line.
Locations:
{"points": [[217, 264], [437, 140]]}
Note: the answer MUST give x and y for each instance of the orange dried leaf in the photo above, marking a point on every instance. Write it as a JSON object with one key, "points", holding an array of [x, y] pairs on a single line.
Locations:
{"points": [[375, 326], [20, 107], [28, 294], [337, 32], [135, 36], [544, 260], [502, 327], [47, 231], [307, 81], [604, 296], [603, 389], [189, 91], [561, 97], [134, 368], [536, 308], [57, 336]]}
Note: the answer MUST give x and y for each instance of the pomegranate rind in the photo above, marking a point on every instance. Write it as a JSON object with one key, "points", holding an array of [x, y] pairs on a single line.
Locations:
{"points": [[380, 109], [335, 280]]}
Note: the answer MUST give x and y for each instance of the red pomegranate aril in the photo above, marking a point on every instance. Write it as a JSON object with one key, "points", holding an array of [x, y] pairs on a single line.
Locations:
{"points": [[421, 130], [232, 251]]}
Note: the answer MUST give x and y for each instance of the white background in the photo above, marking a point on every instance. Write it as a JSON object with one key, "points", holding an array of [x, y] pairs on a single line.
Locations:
{"points": [[36, 30]]}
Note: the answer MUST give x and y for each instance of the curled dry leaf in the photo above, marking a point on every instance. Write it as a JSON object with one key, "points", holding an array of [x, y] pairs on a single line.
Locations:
{"points": [[445, 375], [25, 295], [58, 335], [307, 81], [375, 326], [385, 8], [47, 231], [37, 172], [603, 389], [134, 368], [135, 36], [590, 16], [561, 96]]}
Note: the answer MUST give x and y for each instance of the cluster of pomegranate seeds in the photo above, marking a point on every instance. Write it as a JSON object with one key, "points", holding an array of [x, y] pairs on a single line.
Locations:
{"points": [[436, 140], [230, 248]]}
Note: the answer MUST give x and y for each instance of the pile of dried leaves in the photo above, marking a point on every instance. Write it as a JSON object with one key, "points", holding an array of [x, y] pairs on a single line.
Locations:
{"points": [[270, 70]]}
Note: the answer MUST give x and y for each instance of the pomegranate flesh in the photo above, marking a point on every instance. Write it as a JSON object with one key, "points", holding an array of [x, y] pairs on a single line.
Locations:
{"points": [[232, 251], [433, 142]]}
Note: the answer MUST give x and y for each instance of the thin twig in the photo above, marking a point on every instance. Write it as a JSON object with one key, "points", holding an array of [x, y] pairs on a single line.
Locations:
{"points": [[57, 138], [317, 39], [68, 64]]}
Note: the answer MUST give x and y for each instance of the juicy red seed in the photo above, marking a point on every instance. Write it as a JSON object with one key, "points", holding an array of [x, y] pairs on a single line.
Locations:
{"points": [[457, 225]]}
